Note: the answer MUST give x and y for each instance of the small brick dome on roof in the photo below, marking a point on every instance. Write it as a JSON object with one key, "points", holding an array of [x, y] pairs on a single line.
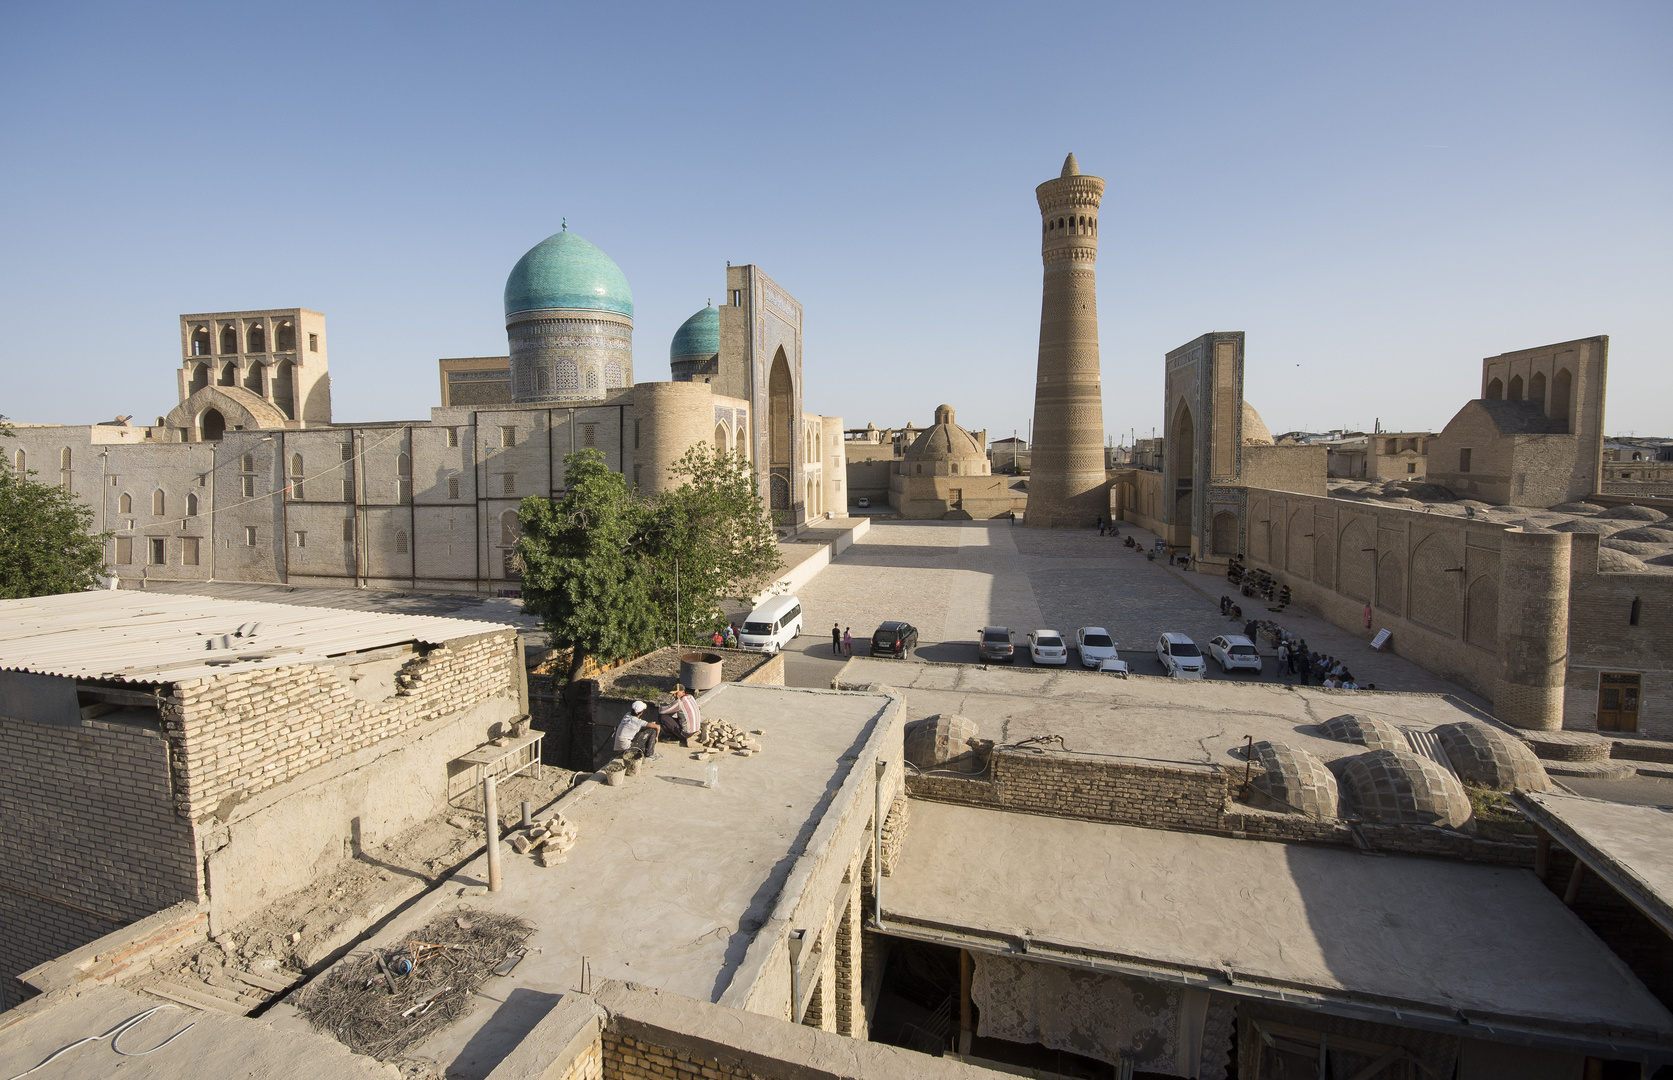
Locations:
{"points": [[942, 741], [1400, 787], [1367, 731], [1484, 755], [1255, 432], [1295, 779], [945, 441]]}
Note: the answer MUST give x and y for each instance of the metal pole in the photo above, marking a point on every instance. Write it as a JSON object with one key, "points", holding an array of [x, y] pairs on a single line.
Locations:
{"points": [[676, 601], [491, 810]]}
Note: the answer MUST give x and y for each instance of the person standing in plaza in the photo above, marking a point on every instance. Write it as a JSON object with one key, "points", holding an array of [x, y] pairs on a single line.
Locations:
{"points": [[836, 639], [1304, 665], [1284, 658], [848, 642]]}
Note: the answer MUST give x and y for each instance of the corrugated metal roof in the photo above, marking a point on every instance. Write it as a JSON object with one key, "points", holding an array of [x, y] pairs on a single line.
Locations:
{"points": [[164, 638]]}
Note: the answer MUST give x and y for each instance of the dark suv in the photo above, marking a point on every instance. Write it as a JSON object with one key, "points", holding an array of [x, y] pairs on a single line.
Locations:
{"points": [[894, 639], [996, 646]]}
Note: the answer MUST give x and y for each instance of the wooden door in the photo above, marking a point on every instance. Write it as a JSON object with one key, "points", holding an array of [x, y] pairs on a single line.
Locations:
{"points": [[1617, 702]]}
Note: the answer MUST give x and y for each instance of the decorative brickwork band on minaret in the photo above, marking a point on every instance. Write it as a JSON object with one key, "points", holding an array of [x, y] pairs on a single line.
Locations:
{"points": [[1066, 485]]}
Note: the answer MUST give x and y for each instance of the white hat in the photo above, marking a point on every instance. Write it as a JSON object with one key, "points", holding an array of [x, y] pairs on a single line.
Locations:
{"points": [[638, 707]]}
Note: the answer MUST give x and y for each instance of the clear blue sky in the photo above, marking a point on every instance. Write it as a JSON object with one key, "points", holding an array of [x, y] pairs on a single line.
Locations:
{"points": [[1379, 194]]}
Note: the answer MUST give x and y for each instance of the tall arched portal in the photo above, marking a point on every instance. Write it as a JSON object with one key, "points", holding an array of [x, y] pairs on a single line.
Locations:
{"points": [[211, 425], [780, 432], [1180, 451]]}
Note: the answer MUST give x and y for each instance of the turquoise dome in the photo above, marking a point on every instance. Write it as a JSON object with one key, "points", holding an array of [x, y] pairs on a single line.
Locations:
{"points": [[698, 335], [565, 271]]}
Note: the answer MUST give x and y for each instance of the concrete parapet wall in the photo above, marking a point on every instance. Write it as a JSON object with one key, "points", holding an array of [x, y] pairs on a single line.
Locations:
{"points": [[125, 954], [637, 1033]]}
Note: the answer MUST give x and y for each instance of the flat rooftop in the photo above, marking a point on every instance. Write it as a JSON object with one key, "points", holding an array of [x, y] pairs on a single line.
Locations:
{"points": [[216, 1044], [669, 882], [161, 638], [1317, 924], [1175, 720], [1629, 846]]}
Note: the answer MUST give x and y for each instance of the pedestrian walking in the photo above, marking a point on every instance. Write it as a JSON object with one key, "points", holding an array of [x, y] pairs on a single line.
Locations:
{"points": [[836, 639], [1013, 517], [847, 642], [1225, 604], [1100, 524], [1284, 657]]}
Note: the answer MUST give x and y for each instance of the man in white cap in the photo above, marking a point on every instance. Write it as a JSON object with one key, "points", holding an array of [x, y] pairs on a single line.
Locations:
{"points": [[635, 732]]}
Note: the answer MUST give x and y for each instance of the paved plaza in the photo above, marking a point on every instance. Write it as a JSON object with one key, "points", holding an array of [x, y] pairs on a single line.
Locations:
{"points": [[951, 578]]}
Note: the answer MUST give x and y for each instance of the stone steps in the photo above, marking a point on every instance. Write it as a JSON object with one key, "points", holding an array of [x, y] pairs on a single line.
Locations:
{"points": [[1573, 746], [1591, 770], [1642, 750]]}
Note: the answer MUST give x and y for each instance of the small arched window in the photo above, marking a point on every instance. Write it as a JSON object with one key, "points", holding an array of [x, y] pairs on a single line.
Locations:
{"points": [[199, 378], [1633, 613], [159, 503], [1060, 223], [191, 504], [229, 376], [400, 541], [1495, 390], [1515, 388], [65, 458], [247, 463], [510, 529], [20, 461], [229, 340], [255, 379], [284, 337], [200, 341], [296, 466], [403, 465], [256, 338], [403, 477], [125, 503]]}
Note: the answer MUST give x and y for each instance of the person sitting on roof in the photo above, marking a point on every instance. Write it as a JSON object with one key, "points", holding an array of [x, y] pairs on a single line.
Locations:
{"points": [[680, 717], [635, 732]]}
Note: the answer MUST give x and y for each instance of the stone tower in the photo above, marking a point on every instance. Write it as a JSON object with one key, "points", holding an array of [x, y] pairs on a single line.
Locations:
{"points": [[1066, 487]]}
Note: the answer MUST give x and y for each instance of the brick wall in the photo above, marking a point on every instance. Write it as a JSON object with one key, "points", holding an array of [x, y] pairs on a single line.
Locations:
{"points": [[634, 1059], [1192, 798], [1602, 639], [90, 839], [236, 735]]}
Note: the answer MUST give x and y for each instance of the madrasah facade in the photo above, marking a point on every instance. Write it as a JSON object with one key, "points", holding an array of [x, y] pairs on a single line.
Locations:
{"points": [[249, 479]]}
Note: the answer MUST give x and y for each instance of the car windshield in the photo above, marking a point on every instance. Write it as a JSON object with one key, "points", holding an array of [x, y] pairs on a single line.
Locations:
{"points": [[996, 639], [1099, 641], [1049, 642], [1185, 648], [759, 629], [1243, 650]]}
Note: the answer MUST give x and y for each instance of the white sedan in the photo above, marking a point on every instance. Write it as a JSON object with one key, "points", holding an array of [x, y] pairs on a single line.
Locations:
{"points": [[1095, 645], [1235, 651], [1047, 647]]}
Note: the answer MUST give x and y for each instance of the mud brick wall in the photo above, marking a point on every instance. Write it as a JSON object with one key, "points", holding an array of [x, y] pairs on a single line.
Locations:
{"points": [[238, 734], [1116, 790], [627, 1058], [90, 839]]}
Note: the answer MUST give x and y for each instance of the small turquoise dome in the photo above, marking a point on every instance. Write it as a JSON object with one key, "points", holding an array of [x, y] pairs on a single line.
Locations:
{"points": [[565, 271], [698, 335]]}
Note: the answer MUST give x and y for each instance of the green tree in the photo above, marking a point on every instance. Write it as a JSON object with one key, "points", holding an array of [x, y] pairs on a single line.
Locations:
{"points": [[45, 546], [583, 564], [709, 540]]}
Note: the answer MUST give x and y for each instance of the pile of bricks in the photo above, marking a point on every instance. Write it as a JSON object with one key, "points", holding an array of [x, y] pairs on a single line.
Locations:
{"points": [[549, 840]]}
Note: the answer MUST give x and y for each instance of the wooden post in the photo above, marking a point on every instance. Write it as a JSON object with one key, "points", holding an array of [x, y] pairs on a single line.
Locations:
{"points": [[1572, 893], [491, 810], [966, 972], [1542, 854]]}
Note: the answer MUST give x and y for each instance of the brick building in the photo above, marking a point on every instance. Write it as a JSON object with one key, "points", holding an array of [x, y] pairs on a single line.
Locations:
{"points": [[161, 748]]}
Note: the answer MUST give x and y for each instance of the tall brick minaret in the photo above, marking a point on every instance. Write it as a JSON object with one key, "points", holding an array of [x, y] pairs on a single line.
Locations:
{"points": [[1066, 486]]}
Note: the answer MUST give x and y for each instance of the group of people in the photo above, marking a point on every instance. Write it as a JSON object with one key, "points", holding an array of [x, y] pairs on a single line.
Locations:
{"points": [[842, 641], [639, 732], [1294, 657], [727, 638]]}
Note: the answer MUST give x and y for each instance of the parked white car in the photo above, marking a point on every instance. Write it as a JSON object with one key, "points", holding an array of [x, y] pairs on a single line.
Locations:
{"points": [[1095, 645], [1047, 647], [1115, 667], [1180, 656], [1235, 651]]}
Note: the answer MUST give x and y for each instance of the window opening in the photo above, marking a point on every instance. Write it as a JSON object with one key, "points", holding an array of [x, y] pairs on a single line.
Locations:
{"points": [[453, 487], [249, 536], [508, 436], [256, 338], [229, 340], [159, 503], [400, 542], [313, 343], [191, 504], [125, 504], [189, 552]]}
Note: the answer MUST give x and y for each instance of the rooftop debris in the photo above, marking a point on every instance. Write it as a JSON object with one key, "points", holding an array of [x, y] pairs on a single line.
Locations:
{"points": [[383, 1001]]}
